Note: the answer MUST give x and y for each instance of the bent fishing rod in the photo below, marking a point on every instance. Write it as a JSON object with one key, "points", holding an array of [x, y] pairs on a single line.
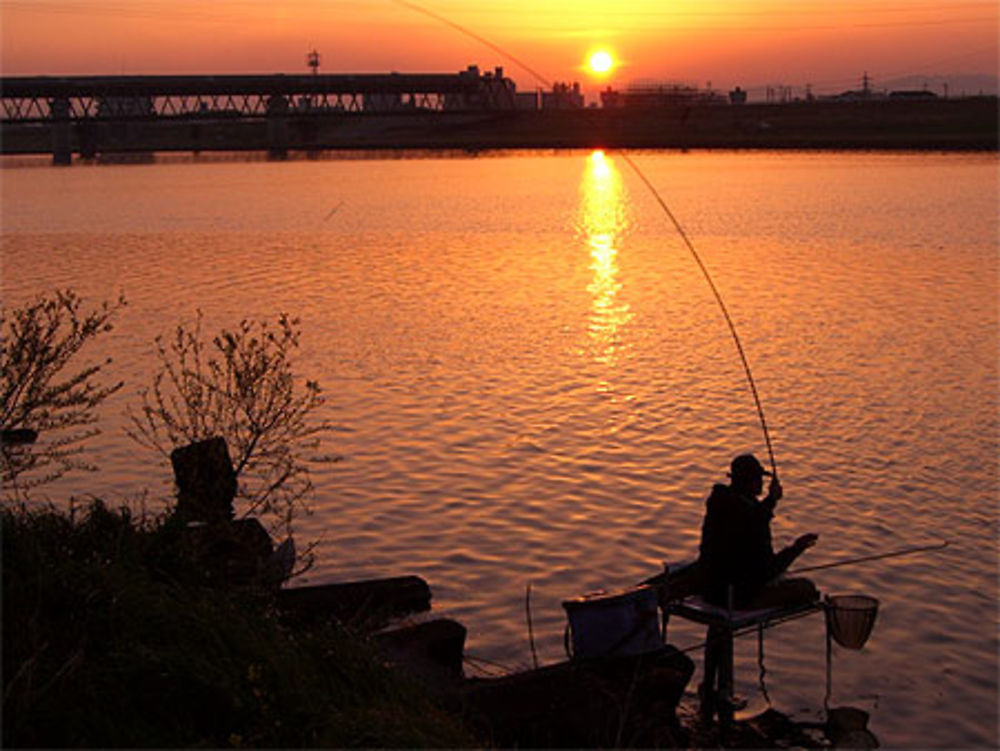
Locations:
{"points": [[663, 204]]}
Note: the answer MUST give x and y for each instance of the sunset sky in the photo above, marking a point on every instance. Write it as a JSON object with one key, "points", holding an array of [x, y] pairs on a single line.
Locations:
{"points": [[726, 42]]}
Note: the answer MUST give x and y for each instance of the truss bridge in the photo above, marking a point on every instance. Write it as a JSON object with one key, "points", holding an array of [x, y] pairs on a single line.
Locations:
{"points": [[96, 113]]}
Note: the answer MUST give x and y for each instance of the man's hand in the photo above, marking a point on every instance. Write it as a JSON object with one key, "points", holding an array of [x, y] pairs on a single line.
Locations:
{"points": [[774, 491], [805, 542]]}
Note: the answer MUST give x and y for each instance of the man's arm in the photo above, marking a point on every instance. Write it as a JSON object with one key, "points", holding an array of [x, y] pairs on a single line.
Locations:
{"points": [[784, 558], [774, 494]]}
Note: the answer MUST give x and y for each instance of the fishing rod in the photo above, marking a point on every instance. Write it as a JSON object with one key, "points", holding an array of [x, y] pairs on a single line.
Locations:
{"points": [[718, 299], [663, 205], [877, 557]]}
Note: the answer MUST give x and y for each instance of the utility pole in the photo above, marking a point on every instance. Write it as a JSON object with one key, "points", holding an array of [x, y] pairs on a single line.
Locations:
{"points": [[312, 60]]}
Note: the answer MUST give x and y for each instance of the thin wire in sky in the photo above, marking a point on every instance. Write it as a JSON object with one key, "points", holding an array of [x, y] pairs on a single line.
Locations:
{"points": [[482, 40]]}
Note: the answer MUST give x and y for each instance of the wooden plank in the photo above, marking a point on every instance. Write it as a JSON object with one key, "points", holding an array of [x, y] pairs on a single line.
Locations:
{"points": [[367, 603]]}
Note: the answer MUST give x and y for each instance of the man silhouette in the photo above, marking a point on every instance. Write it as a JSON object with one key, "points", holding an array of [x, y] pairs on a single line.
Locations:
{"points": [[739, 567], [738, 562]]}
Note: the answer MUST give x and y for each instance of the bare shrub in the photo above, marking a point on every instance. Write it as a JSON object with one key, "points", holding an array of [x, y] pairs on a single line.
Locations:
{"points": [[42, 393], [238, 385]]}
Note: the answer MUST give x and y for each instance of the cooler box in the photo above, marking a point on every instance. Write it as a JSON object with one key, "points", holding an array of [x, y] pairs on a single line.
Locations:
{"points": [[613, 623]]}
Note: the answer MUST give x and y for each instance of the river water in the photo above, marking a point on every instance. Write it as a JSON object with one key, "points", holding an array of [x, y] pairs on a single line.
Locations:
{"points": [[531, 382]]}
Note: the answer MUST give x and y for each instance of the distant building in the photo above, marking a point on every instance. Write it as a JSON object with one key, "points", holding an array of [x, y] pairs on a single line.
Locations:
{"points": [[654, 95], [912, 94], [737, 96], [526, 100], [563, 96], [490, 90]]}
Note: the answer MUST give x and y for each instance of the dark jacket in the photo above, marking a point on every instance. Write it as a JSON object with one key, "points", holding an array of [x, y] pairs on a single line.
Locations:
{"points": [[736, 547]]}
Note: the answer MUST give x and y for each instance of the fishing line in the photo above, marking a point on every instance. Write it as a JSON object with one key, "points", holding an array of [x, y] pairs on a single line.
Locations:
{"points": [[659, 199], [482, 40]]}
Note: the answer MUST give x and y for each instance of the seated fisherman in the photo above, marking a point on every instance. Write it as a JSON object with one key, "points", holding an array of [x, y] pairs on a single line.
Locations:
{"points": [[740, 569], [736, 558]]}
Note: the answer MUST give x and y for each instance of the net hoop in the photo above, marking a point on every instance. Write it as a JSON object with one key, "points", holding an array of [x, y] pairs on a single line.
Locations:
{"points": [[850, 619]]}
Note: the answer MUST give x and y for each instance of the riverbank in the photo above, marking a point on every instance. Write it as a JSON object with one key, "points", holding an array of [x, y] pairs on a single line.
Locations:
{"points": [[968, 124], [112, 638]]}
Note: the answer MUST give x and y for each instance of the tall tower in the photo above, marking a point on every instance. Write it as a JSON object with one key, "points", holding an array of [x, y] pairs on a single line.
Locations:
{"points": [[312, 59]]}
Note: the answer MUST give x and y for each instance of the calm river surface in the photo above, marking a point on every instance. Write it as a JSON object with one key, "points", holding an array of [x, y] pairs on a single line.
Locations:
{"points": [[531, 382]]}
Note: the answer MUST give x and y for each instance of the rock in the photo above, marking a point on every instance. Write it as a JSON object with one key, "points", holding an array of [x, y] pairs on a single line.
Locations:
{"points": [[847, 727], [280, 563], [231, 553], [368, 604], [856, 739], [206, 482], [604, 702], [433, 649], [845, 719]]}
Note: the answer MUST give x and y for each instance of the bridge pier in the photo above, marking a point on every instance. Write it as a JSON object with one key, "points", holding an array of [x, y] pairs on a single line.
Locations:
{"points": [[86, 137], [277, 127], [62, 143]]}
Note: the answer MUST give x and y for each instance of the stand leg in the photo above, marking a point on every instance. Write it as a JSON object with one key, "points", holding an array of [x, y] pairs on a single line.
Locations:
{"points": [[708, 692], [829, 670], [726, 679]]}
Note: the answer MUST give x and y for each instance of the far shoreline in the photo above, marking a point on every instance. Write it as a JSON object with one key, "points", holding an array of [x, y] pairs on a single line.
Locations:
{"points": [[390, 153], [944, 125]]}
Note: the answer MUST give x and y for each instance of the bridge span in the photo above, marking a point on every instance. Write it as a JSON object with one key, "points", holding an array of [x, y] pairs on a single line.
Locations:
{"points": [[91, 114]]}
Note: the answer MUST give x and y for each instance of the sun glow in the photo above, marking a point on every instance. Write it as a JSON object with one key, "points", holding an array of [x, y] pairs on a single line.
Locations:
{"points": [[600, 62]]}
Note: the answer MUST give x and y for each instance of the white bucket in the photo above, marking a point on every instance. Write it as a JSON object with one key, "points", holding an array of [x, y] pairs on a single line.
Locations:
{"points": [[614, 623]]}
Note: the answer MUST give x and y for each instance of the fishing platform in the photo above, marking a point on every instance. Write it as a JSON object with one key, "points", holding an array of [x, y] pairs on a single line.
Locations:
{"points": [[724, 625], [849, 622]]}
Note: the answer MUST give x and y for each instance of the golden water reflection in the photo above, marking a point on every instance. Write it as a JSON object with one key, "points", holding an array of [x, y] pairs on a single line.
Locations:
{"points": [[604, 220]]}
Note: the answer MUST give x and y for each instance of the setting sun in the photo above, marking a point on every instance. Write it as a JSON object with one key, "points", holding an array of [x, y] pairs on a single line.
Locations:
{"points": [[600, 62]]}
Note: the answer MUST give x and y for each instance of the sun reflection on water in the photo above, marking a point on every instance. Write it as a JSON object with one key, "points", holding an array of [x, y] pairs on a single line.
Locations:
{"points": [[604, 219]]}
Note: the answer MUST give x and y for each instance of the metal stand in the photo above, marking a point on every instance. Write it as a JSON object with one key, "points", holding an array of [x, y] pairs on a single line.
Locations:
{"points": [[716, 692]]}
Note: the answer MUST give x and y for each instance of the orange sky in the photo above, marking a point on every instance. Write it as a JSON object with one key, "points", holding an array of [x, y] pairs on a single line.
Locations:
{"points": [[749, 42]]}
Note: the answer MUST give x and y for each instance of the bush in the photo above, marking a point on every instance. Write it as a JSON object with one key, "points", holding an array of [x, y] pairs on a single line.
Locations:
{"points": [[43, 393], [104, 646], [238, 385]]}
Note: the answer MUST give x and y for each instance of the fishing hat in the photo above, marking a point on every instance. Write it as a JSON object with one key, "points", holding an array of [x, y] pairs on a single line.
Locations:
{"points": [[746, 465]]}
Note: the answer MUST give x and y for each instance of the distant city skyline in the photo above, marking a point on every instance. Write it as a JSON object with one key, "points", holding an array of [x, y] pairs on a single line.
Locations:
{"points": [[722, 42]]}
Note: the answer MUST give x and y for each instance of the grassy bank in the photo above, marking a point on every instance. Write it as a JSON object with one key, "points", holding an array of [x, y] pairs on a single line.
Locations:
{"points": [[111, 638]]}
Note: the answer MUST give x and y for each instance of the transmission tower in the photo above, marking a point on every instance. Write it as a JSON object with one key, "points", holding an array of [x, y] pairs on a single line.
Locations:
{"points": [[312, 59]]}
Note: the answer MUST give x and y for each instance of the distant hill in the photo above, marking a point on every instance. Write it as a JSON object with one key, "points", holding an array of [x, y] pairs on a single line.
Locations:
{"points": [[958, 84]]}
